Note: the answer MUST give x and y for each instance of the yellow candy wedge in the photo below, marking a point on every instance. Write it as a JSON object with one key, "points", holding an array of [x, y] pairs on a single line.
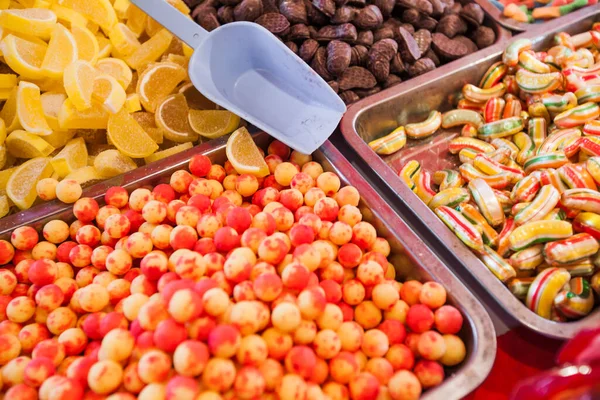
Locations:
{"points": [[128, 136], [150, 50], [79, 83], [133, 103], [51, 104], [8, 81], [23, 56], [86, 175], [9, 112], [171, 117], [213, 123], [109, 93], [69, 117], [157, 82], [121, 7], [244, 155], [62, 51], [4, 177], [23, 144], [2, 132], [4, 206], [87, 44], [159, 155], [136, 20], [104, 45], [30, 111], [72, 157], [99, 11], [116, 68], [148, 124], [20, 187], [68, 16], [123, 39], [59, 138], [37, 22], [111, 163]]}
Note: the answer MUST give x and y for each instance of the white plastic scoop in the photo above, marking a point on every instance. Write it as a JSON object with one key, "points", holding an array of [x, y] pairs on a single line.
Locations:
{"points": [[244, 68]]}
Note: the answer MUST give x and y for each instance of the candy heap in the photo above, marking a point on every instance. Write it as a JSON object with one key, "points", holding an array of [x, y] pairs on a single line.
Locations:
{"points": [[92, 89], [219, 286], [525, 198], [532, 10]]}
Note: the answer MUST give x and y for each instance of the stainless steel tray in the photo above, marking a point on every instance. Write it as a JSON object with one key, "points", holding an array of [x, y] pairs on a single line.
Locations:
{"points": [[496, 14], [411, 257], [373, 117]]}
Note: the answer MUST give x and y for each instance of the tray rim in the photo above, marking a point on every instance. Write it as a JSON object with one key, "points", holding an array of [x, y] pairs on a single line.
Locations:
{"points": [[467, 260], [483, 345]]}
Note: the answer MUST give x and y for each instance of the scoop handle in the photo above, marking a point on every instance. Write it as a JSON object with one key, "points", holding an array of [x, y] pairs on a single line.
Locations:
{"points": [[177, 23]]}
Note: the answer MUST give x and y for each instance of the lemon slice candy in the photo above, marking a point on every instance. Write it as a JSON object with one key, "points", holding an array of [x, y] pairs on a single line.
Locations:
{"points": [[30, 21], [30, 111], [244, 155], [79, 83], [109, 93], [21, 184], [23, 56], [128, 136], [213, 123], [23, 144], [73, 156], [62, 51]]}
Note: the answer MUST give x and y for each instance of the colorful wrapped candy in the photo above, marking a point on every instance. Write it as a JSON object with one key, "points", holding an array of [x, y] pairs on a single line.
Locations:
{"points": [[529, 148]]}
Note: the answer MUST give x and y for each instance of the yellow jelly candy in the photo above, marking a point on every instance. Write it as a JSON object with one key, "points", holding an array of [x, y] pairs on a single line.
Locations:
{"points": [[147, 122], [8, 81], [4, 206], [51, 104], [86, 175], [30, 111], [171, 117], [150, 50], [157, 82], [159, 155], [23, 56], [116, 68], [62, 51], [79, 84], [68, 16], [9, 112], [123, 39], [99, 11], [244, 155], [111, 163], [128, 136], [109, 93], [20, 187], [73, 156], [23, 144], [136, 20], [104, 45], [4, 177], [132, 103], [121, 7], [69, 117], [59, 138], [87, 44], [2, 131], [38, 22], [213, 123]]}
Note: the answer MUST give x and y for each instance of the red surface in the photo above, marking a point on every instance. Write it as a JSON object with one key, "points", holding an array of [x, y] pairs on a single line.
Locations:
{"points": [[521, 354]]}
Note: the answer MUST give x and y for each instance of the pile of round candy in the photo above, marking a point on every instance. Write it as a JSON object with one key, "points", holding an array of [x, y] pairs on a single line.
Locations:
{"points": [[525, 198], [219, 286]]}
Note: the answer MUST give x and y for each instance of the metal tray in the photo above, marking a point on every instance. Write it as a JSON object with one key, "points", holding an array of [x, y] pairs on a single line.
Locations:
{"points": [[372, 118], [411, 257], [496, 14]]}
